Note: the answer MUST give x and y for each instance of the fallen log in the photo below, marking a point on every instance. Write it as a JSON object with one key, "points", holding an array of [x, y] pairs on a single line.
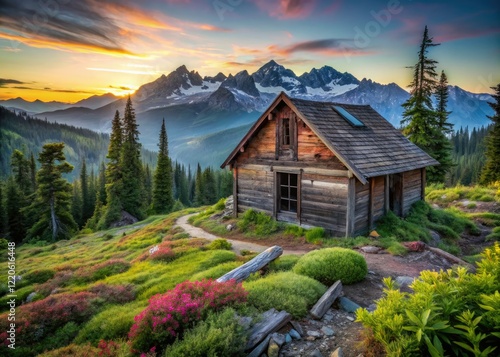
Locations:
{"points": [[257, 263], [324, 303], [452, 258], [273, 321]]}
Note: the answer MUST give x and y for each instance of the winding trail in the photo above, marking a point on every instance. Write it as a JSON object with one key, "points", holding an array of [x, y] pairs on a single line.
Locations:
{"points": [[237, 245]]}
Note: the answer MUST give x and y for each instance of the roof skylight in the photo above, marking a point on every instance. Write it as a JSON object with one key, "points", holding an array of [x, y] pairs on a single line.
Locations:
{"points": [[351, 119]]}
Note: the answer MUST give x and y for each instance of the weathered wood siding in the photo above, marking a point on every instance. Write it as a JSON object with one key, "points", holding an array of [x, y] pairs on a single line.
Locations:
{"points": [[312, 149], [324, 202], [378, 203], [412, 189], [362, 206], [369, 204], [255, 190], [262, 146]]}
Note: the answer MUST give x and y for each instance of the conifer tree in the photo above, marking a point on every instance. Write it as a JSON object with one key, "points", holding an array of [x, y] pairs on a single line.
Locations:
{"points": [[86, 204], [13, 206], [148, 186], [491, 170], [130, 161], [21, 171], [51, 205], [101, 184], [162, 186], [3, 213], [112, 211], [76, 203], [198, 187], [33, 172]]}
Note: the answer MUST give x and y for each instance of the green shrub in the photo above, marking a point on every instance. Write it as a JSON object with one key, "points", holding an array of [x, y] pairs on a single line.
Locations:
{"points": [[450, 312], [314, 234], [284, 291], [296, 231], [471, 205], [4, 243], [332, 264], [220, 205], [39, 276], [180, 235], [259, 223], [494, 235], [215, 272], [283, 263], [219, 335], [220, 243]]}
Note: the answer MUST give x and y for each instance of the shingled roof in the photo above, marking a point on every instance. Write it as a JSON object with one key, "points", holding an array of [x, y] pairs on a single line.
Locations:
{"points": [[375, 149]]}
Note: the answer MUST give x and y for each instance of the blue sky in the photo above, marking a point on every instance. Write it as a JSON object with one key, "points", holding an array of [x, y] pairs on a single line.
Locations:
{"points": [[68, 50]]}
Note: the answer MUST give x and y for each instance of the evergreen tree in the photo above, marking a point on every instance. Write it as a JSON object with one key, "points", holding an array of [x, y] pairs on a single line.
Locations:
{"points": [[112, 211], [21, 171], [148, 186], [52, 201], [162, 188], [77, 204], [33, 172], [86, 204], [130, 161], [101, 184], [198, 187], [184, 187], [209, 187], [491, 170], [13, 206], [441, 148], [3, 213]]}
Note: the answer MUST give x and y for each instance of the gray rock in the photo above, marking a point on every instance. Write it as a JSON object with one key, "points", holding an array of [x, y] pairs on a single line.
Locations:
{"points": [[348, 305], [436, 237], [297, 327], [245, 321], [350, 318], [30, 297], [337, 353], [294, 334], [229, 227], [278, 338], [261, 347], [273, 350], [288, 338], [327, 331], [313, 333], [404, 280], [372, 307], [370, 249], [316, 353]]}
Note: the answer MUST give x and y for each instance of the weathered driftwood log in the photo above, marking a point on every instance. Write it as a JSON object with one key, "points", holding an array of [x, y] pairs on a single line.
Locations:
{"points": [[452, 258], [257, 263], [272, 322], [324, 303]]}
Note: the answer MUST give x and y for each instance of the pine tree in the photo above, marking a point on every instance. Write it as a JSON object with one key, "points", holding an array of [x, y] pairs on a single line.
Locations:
{"points": [[86, 204], [198, 187], [491, 170], [101, 184], [77, 204], [3, 213], [148, 186], [21, 171], [33, 172], [130, 160], [52, 201], [441, 148], [13, 206], [162, 186], [112, 211]]}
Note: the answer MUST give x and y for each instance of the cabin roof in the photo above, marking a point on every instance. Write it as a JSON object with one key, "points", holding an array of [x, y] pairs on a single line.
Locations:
{"points": [[376, 148]]}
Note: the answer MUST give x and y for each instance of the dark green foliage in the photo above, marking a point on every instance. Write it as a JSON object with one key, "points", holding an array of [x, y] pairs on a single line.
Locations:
{"points": [[148, 186], [491, 171], [220, 243], [258, 223], [422, 124], [283, 263], [13, 208], [163, 198], [314, 234], [219, 335], [332, 264], [39, 276], [76, 203], [284, 291], [3, 213], [21, 172], [131, 167], [51, 205], [87, 205]]}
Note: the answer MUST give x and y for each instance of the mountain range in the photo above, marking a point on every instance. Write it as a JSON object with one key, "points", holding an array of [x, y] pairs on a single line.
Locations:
{"points": [[207, 116]]}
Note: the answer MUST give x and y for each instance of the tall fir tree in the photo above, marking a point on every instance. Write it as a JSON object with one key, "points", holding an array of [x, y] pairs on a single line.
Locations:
{"points": [[491, 170], [86, 204], [163, 199], [148, 186], [198, 197], [33, 172], [52, 200], [3, 213], [76, 203], [441, 149], [130, 161], [420, 119], [15, 217], [21, 171], [112, 211], [101, 184]]}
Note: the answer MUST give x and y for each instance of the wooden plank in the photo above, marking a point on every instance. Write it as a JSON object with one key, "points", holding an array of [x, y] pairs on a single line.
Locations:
{"points": [[242, 272], [299, 197], [235, 192], [351, 207], [371, 207], [269, 325], [326, 301], [243, 208], [423, 182], [254, 167], [403, 213]]}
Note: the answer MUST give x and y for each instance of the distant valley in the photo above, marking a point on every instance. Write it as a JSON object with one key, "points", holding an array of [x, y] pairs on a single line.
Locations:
{"points": [[206, 117]]}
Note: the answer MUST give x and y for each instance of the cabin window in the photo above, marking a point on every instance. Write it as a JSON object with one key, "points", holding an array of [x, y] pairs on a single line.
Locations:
{"points": [[288, 192], [285, 138]]}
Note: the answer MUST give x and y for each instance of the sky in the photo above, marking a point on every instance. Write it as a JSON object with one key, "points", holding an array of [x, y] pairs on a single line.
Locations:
{"points": [[67, 50]]}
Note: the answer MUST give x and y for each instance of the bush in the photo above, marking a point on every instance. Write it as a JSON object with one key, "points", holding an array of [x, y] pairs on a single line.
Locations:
{"points": [[161, 253], [315, 234], [61, 279], [258, 222], [283, 263], [114, 294], [39, 276], [494, 235], [449, 313], [284, 291], [101, 270], [220, 205], [219, 335], [296, 231], [180, 235], [332, 264], [220, 243], [215, 272], [169, 314], [74, 351]]}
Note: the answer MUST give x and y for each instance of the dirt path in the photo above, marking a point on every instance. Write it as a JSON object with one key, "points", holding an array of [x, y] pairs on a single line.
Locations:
{"points": [[238, 246]]}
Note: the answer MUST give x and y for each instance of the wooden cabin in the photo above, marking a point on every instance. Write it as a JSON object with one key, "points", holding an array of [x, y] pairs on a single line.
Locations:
{"points": [[336, 166]]}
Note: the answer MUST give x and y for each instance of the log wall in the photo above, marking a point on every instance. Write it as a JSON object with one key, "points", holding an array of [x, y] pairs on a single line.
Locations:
{"points": [[412, 189], [255, 190]]}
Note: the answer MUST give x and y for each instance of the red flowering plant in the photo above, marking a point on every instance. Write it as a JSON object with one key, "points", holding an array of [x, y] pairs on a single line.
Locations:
{"points": [[169, 315], [162, 252], [114, 294]]}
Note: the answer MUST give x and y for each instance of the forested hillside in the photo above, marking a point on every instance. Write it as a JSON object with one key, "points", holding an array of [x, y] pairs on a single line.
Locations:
{"points": [[23, 132]]}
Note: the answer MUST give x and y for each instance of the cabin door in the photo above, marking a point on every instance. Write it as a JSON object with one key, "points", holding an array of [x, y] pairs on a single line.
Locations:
{"points": [[395, 193]]}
